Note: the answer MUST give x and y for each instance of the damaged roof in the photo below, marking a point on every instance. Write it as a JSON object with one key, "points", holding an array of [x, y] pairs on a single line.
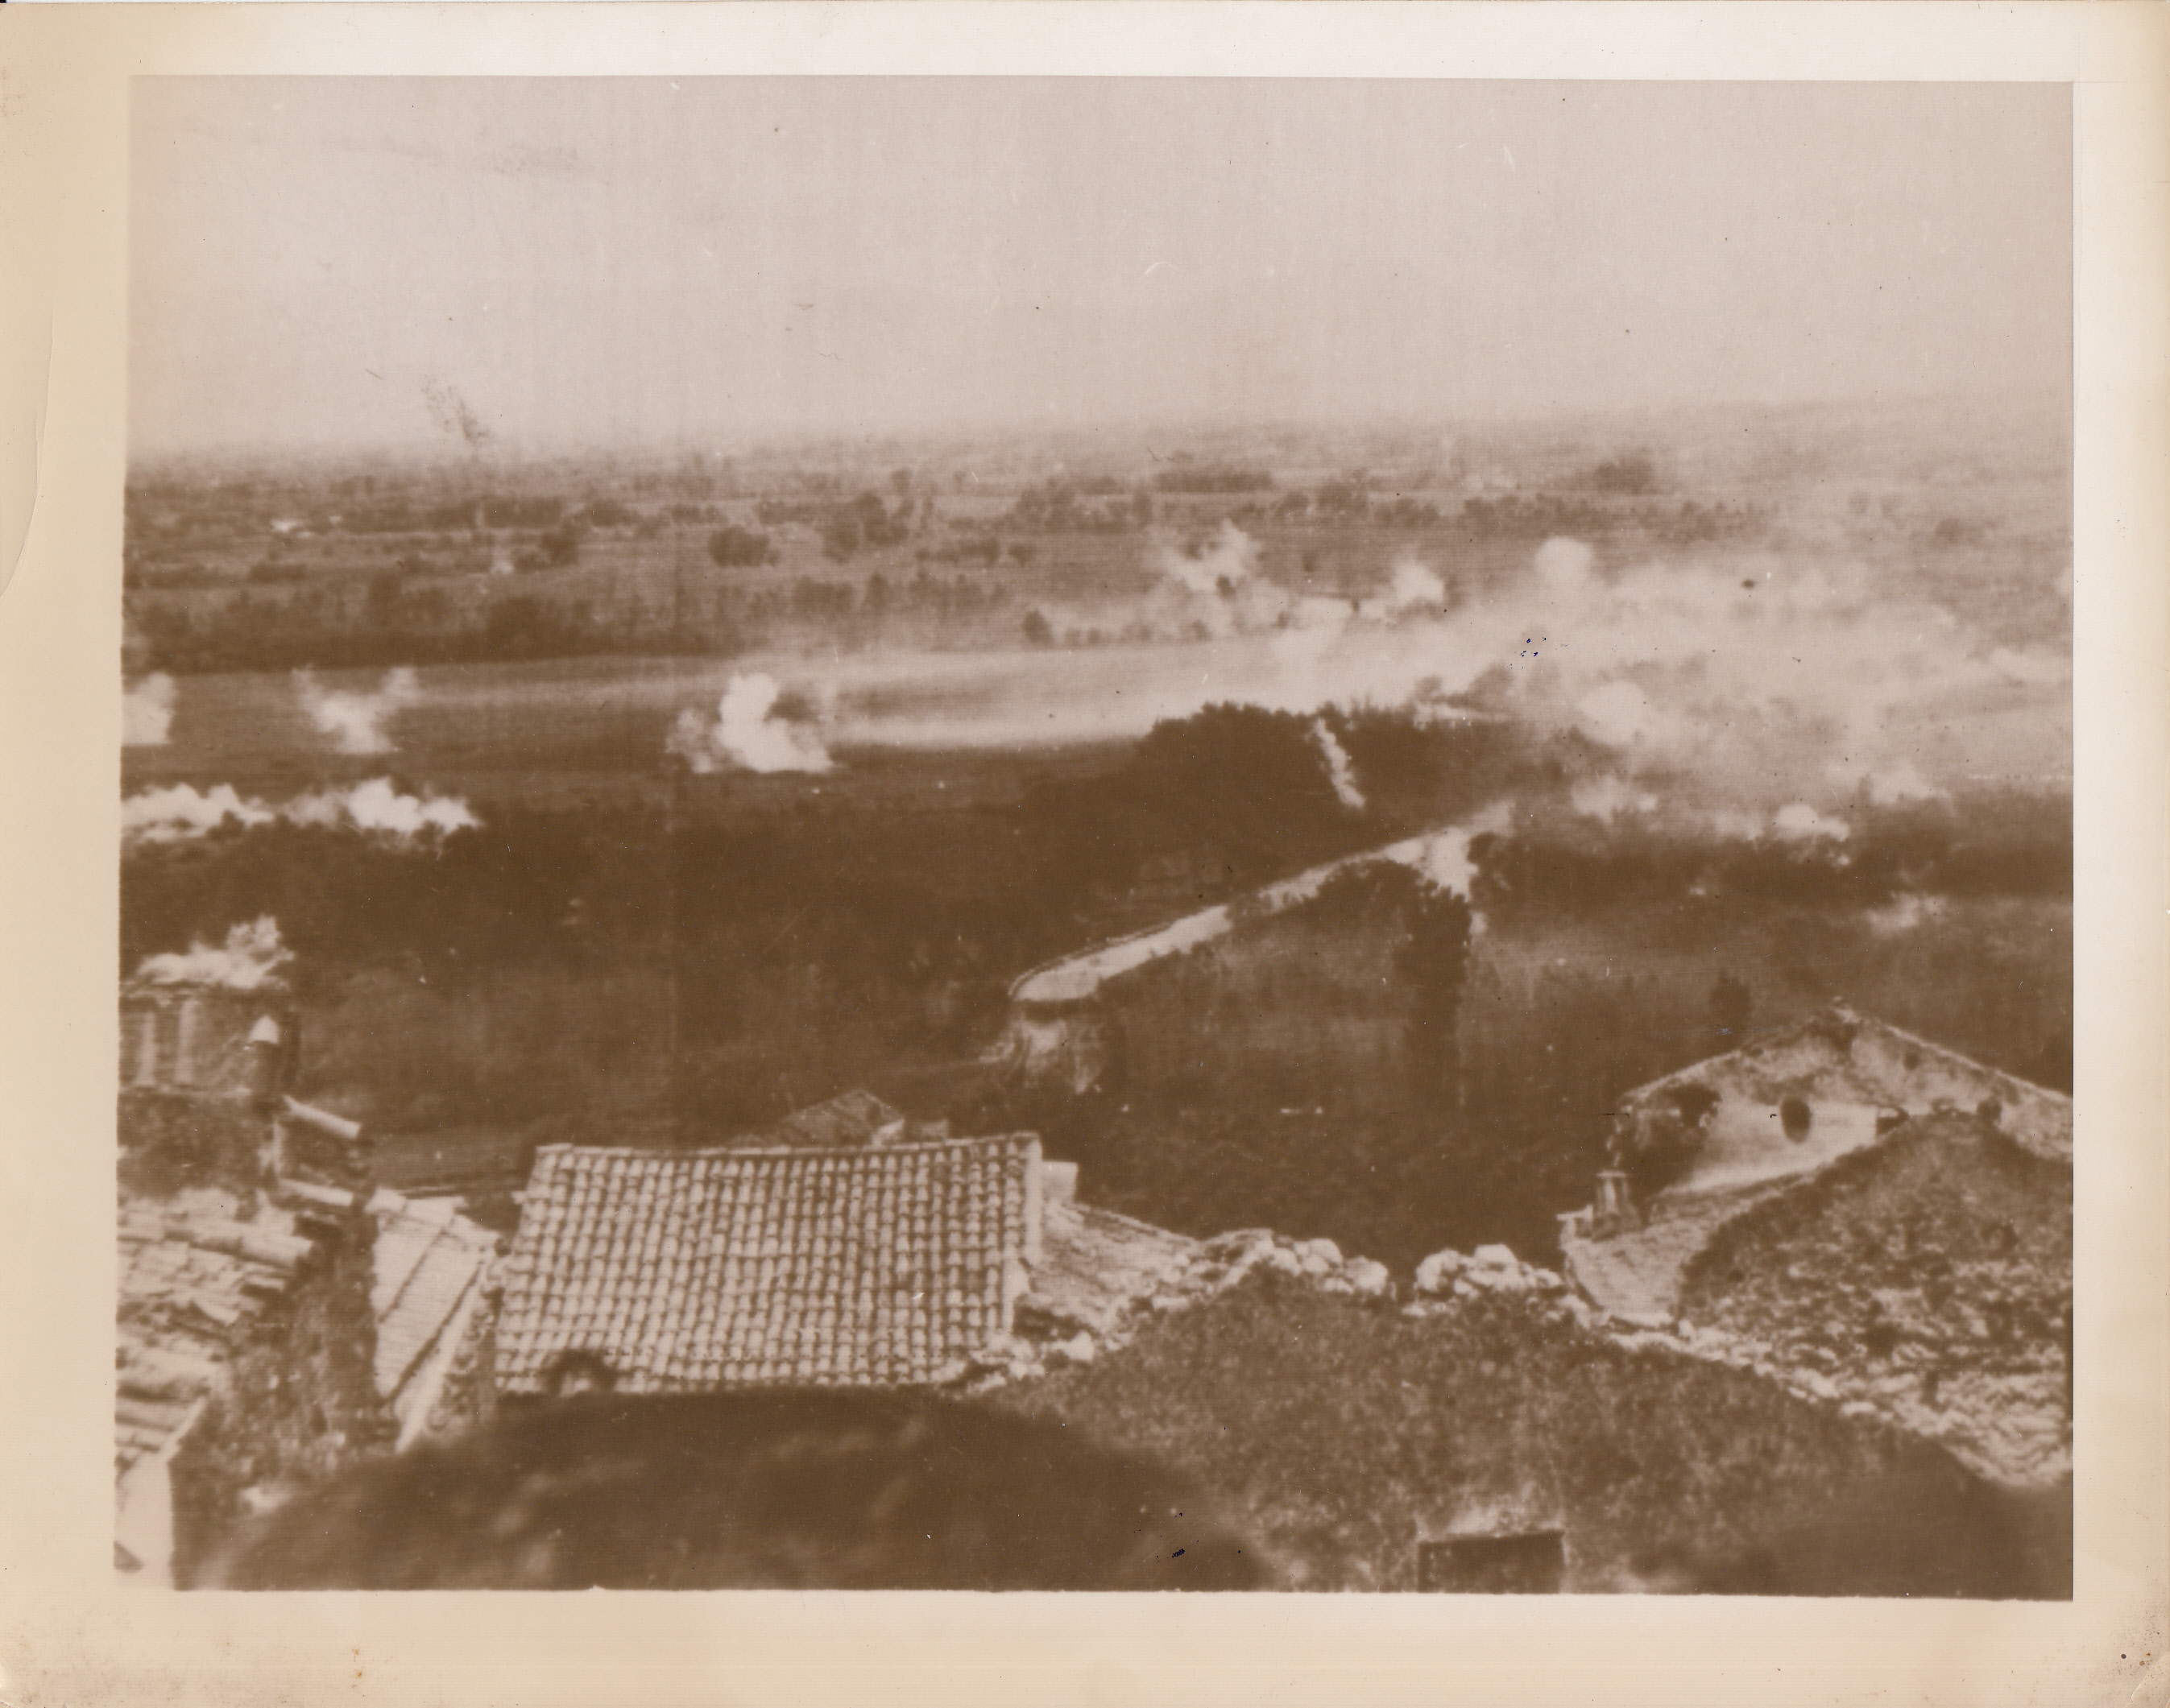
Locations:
{"points": [[197, 1276], [1840, 1058], [429, 1268], [1096, 1265], [1854, 1075], [685, 1271]]}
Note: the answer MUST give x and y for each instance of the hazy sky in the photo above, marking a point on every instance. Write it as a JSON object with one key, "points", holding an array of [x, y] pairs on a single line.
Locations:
{"points": [[323, 263]]}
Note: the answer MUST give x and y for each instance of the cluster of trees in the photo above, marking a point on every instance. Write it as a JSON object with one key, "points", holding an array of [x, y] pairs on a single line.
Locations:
{"points": [[396, 617], [869, 939], [393, 622], [1630, 475], [1207, 807], [733, 547], [847, 527], [1536, 516], [1212, 478], [820, 599], [1989, 845], [865, 523], [1056, 507]]}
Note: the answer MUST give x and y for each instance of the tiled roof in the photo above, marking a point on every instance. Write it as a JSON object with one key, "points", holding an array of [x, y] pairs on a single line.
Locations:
{"points": [[705, 1269], [428, 1256], [194, 1278]]}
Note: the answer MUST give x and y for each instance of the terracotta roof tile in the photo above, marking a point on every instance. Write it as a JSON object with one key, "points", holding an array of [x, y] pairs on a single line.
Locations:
{"points": [[193, 1278], [730, 1268]]}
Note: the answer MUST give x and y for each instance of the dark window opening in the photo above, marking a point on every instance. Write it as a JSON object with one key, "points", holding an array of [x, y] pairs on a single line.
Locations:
{"points": [[1531, 1563]]}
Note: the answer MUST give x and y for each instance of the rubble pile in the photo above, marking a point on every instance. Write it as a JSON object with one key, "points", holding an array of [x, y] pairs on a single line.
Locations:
{"points": [[1802, 1362], [2014, 1442], [1931, 1284], [1446, 1280], [1224, 1261]]}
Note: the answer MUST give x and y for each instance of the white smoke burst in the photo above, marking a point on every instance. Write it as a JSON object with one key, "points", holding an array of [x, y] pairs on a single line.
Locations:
{"points": [[1605, 798], [1415, 587], [251, 956], [1213, 593], [1730, 679], [1338, 770], [1564, 566], [748, 732], [147, 711], [181, 813], [377, 808], [1906, 913], [1443, 857], [353, 718], [1798, 822]]}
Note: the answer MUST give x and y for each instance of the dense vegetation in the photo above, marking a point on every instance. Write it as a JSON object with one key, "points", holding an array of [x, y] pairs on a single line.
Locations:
{"points": [[1361, 1068], [546, 963]]}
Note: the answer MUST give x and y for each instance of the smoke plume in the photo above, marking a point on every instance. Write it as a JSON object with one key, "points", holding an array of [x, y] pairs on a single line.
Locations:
{"points": [[1905, 913], [1605, 798], [1415, 587], [251, 957], [1728, 679], [354, 719], [1800, 822], [376, 809], [147, 711], [1213, 594], [1338, 770], [751, 730]]}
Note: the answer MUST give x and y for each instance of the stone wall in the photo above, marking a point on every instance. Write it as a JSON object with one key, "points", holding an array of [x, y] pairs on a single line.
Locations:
{"points": [[171, 1141], [300, 1399]]}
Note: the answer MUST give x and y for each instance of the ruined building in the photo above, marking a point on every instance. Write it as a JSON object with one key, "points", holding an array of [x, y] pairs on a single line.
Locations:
{"points": [[278, 1319], [1885, 1224]]}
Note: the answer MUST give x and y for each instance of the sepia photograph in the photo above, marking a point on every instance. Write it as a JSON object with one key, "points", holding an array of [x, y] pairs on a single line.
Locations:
{"points": [[1102, 833], [1034, 853]]}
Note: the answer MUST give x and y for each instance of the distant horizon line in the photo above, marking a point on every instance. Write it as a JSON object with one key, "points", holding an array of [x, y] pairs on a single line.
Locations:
{"points": [[955, 439]]}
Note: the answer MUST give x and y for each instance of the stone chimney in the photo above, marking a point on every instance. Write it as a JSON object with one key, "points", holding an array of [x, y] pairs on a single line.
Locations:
{"points": [[208, 1040], [1614, 1212]]}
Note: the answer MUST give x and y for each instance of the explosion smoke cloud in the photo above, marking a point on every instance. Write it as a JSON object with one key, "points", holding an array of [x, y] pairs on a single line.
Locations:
{"points": [[376, 809], [749, 731], [251, 957], [354, 719], [1732, 679], [1416, 586], [1216, 593], [1338, 770], [147, 711], [1800, 822], [1605, 799]]}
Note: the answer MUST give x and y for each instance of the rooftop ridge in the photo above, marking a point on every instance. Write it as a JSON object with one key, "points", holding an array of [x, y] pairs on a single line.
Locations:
{"points": [[810, 1154], [1844, 1015]]}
